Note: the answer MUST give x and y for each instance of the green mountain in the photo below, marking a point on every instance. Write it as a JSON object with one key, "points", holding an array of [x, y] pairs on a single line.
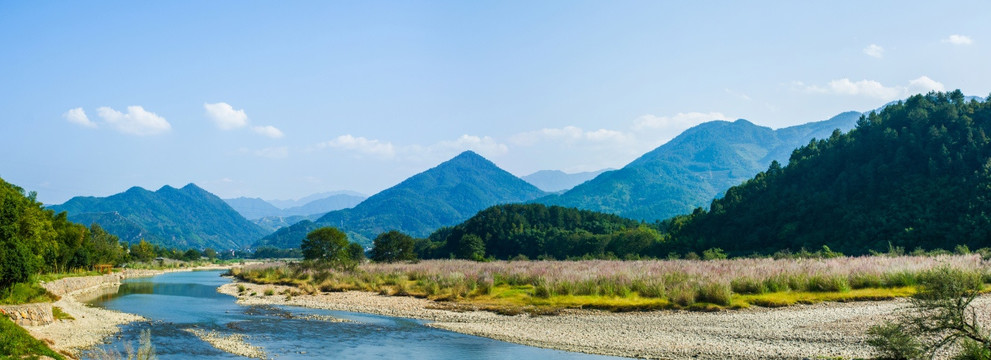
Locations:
{"points": [[253, 208], [557, 180], [442, 196], [693, 168], [189, 217], [916, 174]]}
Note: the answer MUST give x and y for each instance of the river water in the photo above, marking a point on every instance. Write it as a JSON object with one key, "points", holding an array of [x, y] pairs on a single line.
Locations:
{"points": [[176, 302]]}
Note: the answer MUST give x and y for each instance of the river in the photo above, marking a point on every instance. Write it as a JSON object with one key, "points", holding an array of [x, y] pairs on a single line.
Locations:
{"points": [[177, 302]]}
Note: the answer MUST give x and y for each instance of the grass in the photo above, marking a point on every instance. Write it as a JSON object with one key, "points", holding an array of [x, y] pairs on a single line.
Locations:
{"points": [[61, 315], [26, 293], [16, 343], [547, 286]]}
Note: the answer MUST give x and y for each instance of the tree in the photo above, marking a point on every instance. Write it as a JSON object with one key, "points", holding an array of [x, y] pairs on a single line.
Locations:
{"points": [[325, 244], [355, 254], [191, 255], [471, 247], [143, 251], [393, 246], [210, 253]]}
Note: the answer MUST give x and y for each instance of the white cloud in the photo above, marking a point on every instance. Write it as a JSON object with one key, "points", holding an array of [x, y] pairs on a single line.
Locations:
{"points": [[268, 130], [484, 145], [362, 145], [280, 152], [78, 116], [679, 121], [956, 39], [875, 51], [924, 85], [874, 89], [137, 120], [225, 117]]}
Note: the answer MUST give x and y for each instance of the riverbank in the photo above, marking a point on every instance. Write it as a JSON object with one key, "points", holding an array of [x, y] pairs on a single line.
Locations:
{"points": [[90, 325], [796, 332]]}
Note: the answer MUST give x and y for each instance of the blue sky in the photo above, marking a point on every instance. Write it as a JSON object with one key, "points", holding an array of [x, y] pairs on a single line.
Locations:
{"points": [[283, 99]]}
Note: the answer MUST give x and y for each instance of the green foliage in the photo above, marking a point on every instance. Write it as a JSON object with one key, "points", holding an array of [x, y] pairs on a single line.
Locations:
{"points": [[714, 254], [442, 196], [892, 342], [24, 293], [16, 343], [189, 217], [142, 251], [915, 174], [537, 231], [325, 244], [693, 168], [393, 246]]}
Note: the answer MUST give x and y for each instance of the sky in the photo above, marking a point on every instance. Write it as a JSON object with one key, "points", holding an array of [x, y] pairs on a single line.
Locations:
{"points": [[283, 99]]}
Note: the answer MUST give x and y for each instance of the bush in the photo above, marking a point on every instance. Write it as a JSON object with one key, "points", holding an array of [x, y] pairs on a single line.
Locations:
{"points": [[715, 293], [748, 286], [269, 292], [893, 342]]}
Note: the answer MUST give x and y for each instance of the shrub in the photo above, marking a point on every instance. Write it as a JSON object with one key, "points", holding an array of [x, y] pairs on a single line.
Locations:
{"points": [[748, 285], [682, 295], [542, 291], [893, 342], [715, 293], [269, 292], [835, 283]]}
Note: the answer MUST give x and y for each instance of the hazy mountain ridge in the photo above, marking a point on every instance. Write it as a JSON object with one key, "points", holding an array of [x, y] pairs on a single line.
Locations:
{"points": [[189, 217], [441, 196], [255, 209], [693, 168], [558, 181]]}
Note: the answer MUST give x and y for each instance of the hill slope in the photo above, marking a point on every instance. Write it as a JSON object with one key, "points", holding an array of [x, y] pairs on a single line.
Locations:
{"points": [[256, 209], [917, 174], [189, 217], [442, 196], [693, 168]]}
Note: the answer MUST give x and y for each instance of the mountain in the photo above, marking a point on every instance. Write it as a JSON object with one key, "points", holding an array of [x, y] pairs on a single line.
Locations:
{"points": [[557, 180], [917, 174], [693, 168], [189, 217], [256, 208], [253, 208], [285, 204], [273, 223], [442, 196]]}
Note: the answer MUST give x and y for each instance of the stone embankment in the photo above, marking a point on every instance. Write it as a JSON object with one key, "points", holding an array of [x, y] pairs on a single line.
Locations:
{"points": [[29, 314]]}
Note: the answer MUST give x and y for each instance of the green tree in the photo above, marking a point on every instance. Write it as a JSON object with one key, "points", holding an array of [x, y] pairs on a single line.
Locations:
{"points": [[210, 253], [143, 251], [326, 244], [471, 247], [393, 246], [191, 255], [355, 254]]}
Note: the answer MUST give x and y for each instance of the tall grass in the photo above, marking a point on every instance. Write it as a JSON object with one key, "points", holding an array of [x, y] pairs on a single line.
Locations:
{"points": [[682, 283]]}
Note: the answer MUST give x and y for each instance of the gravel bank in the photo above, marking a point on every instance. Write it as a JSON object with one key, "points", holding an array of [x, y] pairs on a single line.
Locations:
{"points": [[233, 343], [797, 332]]}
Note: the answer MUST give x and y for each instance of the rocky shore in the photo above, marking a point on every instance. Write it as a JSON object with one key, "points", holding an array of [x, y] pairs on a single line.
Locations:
{"points": [[824, 330]]}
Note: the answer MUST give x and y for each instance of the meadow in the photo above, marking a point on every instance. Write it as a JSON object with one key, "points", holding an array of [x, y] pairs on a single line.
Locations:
{"points": [[548, 286]]}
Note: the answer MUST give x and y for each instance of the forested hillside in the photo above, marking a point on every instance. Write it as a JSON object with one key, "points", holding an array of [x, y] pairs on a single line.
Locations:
{"points": [[442, 196], [916, 174], [693, 168], [189, 217], [535, 230]]}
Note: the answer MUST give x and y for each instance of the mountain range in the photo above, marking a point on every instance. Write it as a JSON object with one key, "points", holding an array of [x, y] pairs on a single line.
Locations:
{"points": [[256, 208], [553, 181], [441, 196], [189, 217], [693, 168]]}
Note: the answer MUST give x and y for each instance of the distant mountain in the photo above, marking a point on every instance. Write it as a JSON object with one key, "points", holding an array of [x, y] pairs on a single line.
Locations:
{"points": [[272, 223], [442, 196], [557, 180], [916, 174], [253, 208], [256, 208], [693, 168], [189, 217], [285, 204]]}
